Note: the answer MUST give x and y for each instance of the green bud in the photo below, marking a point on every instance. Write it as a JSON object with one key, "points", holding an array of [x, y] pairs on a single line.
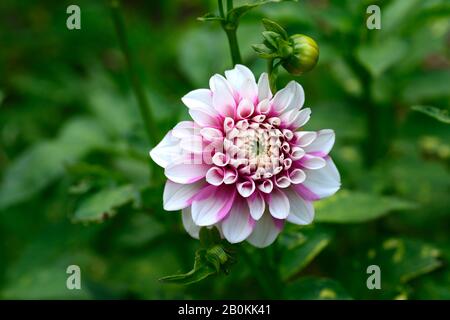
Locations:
{"points": [[304, 56]]}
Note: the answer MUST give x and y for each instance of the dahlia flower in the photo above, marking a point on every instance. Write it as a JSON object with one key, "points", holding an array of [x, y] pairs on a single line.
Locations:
{"points": [[244, 164]]}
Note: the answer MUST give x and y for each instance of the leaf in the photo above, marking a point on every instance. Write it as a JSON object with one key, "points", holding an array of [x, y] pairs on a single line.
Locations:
{"points": [[201, 270], [439, 114], [396, 13], [431, 85], [377, 58], [270, 25], [313, 288], [236, 13], [352, 207], [301, 250], [43, 163], [210, 17], [104, 202], [402, 260]]}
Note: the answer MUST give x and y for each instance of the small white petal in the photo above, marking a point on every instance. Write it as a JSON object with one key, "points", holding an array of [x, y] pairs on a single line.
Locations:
{"points": [[278, 204], [222, 99], [214, 176], [312, 162], [305, 138], [246, 188]]}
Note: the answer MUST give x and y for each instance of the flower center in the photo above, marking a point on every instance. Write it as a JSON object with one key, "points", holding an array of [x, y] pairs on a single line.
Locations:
{"points": [[257, 148]]}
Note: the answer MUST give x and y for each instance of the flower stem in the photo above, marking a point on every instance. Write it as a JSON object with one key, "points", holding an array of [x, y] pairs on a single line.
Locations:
{"points": [[272, 72], [234, 46], [138, 89]]}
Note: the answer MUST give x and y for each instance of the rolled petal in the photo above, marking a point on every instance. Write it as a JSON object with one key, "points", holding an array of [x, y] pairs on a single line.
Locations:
{"points": [[265, 231], [278, 204], [301, 211], [246, 188], [182, 172], [189, 224], [322, 145], [320, 183], [215, 176], [266, 186], [167, 151], [238, 224], [177, 196], [212, 204], [245, 109], [256, 205]]}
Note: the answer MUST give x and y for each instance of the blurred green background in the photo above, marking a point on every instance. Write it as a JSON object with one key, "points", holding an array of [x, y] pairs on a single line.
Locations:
{"points": [[75, 175]]}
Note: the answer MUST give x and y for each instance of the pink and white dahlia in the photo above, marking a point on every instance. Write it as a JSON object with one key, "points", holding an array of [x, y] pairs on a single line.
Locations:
{"points": [[244, 164]]}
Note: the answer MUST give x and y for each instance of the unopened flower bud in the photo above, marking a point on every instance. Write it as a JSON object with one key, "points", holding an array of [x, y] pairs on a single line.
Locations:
{"points": [[304, 56]]}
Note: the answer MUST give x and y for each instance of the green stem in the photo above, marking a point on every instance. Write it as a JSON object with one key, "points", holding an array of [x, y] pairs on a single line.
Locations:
{"points": [[272, 72], [144, 106], [229, 5], [221, 12], [234, 46]]}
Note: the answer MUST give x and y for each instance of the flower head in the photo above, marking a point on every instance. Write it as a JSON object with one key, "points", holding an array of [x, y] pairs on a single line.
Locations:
{"points": [[244, 164]]}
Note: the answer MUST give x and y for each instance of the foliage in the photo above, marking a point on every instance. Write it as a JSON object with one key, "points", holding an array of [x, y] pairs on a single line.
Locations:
{"points": [[77, 185]]}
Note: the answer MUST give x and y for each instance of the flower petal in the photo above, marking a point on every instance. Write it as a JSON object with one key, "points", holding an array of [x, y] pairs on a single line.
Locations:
{"points": [[189, 224], [289, 98], [238, 224], [246, 188], [265, 231], [322, 145], [305, 138], [222, 99], [264, 91], [278, 204], [256, 205], [201, 100], [312, 162], [212, 204], [243, 82], [185, 172], [167, 151], [320, 183], [215, 176], [301, 211], [177, 196]]}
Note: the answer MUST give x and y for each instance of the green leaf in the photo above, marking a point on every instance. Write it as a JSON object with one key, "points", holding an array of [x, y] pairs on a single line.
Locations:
{"points": [[301, 250], [313, 288], [270, 25], [103, 203], [202, 269], [44, 162], [352, 207], [431, 85], [439, 114], [377, 58], [236, 13], [402, 260], [210, 17]]}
